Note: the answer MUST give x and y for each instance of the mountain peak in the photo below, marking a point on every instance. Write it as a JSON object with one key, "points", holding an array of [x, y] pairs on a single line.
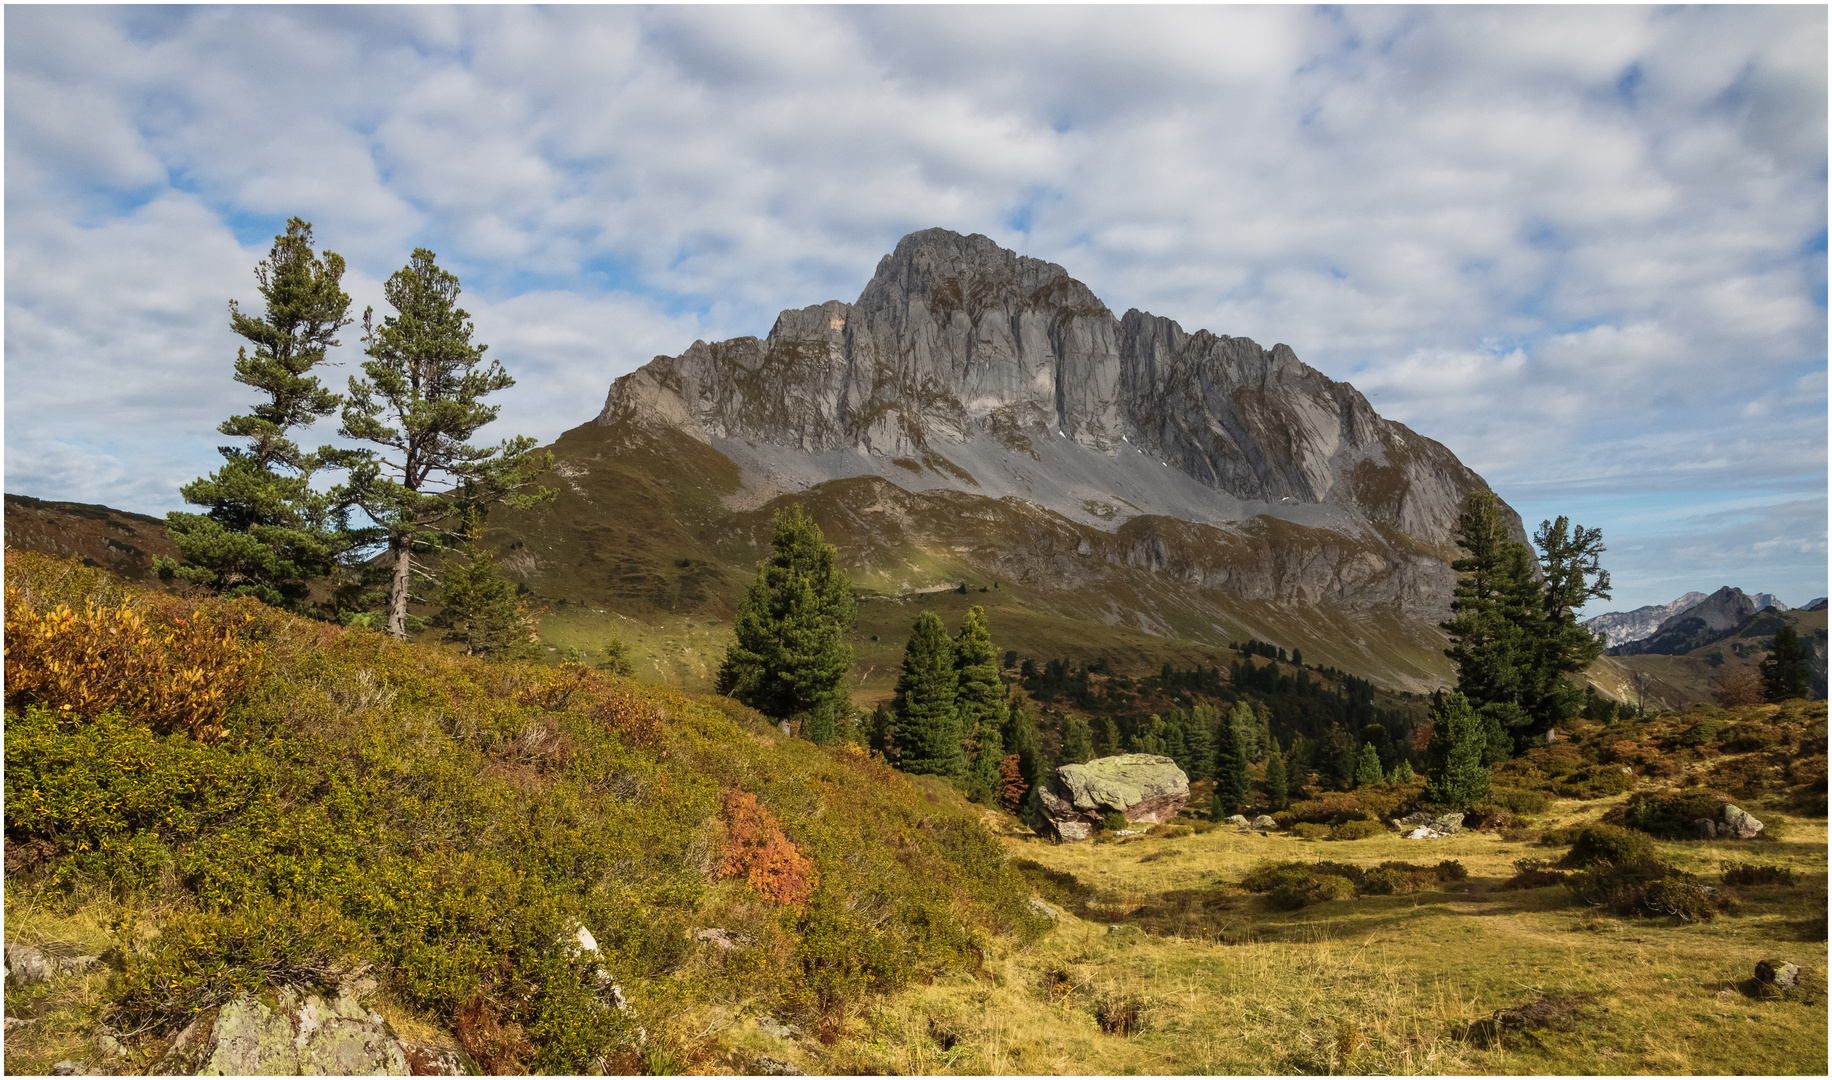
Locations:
{"points": [[998, 374]]}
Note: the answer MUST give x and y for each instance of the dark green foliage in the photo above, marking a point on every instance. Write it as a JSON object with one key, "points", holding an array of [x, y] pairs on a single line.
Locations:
{"points": [[982, 779], [1455, 776], [1784, 671], [1648, 887], [1291, 885], [1534, 874], [1402, 773], [617, 659], [1599, 844], [1357, 830], [1113, 821], [1233, 784], [420, 399], [1515, 634], [788, 656], [267, 533], [1278, 790], [927, 736], [978, 693], [1497, 717], [1077, 744], [1338, 759], [1669, 814], [480, 611], [1368, 772], [1747, 874], [1198, 731]]}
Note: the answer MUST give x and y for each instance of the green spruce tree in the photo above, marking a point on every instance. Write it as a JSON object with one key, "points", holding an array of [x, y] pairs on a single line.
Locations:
{"points": [[1402, 772], [480, 611], [1077, 741], [1784, 670], [982, 784], [1278, 786], [927, 735], [789, 657], [1368, 772], [268, 533], [1198, 741], [978, 694], [420, 399], [1233, 783], [1455, 776], [1019, 736]]}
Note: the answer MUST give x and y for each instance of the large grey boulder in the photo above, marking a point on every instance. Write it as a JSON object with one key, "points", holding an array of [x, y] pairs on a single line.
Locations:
{"points": [[286, 1033], [1739, 824], [1144, 787]]}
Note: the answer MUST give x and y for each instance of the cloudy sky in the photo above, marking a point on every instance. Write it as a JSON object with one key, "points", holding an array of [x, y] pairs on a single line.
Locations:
{"points": [[1583, 247]]}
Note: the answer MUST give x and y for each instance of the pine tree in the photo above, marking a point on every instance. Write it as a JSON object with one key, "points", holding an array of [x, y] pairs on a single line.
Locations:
{"points": [[788, 657], [1339, 759], [1493, 604], [1402, 773], [1367, 767], [1233, 784], [1784, 671], [421, 398], [1019, 737], [1278, 787], [927, 733], [978, 694], [1077, 741], [1149, 739], [480, 611], [1571, 572], [1455, 776], [983, 777], [617, 659], [268, 533], [1199, 741]]}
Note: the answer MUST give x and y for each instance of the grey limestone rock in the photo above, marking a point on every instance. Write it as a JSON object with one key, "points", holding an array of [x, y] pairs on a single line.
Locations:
{"points": [[1144, 787], [1703, 829], [1739, 824], [1265, 821], [986, 372], [290, 1032], [27, 964]]}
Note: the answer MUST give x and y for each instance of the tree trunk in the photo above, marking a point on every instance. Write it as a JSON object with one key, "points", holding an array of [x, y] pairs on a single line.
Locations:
{"points": [[397, 589]]}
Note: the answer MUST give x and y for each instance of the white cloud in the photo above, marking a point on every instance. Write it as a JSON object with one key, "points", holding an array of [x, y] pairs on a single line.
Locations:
{"points": [[1575, 244]]}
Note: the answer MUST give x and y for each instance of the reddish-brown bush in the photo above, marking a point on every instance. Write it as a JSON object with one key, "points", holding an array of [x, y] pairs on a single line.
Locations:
{"points": [[757, 851], [1011, 783]]}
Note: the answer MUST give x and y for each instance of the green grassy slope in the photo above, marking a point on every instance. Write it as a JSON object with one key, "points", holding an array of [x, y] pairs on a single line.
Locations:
{"points": [[640, 543]]}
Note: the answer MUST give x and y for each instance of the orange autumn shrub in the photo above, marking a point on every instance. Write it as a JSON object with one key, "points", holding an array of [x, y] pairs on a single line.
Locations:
{"points": [[757, 851], [168, 670]]}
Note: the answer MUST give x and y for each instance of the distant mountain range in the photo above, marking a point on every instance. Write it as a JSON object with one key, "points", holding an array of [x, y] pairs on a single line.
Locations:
{"points": [[1681, 625]]}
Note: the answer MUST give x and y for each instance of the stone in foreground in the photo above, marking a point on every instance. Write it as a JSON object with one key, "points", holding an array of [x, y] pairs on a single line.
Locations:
{"points": [[296, 1033], [1144, 787]]}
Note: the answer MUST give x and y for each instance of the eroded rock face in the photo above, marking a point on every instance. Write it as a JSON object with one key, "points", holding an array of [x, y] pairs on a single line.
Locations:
{"points": [[292, 1033], [1144, 787], [982, 371]]}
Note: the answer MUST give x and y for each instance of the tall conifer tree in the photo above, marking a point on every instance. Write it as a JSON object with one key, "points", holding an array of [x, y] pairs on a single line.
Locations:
{"points": [[420, 400], [1278, 787], [267, 533], [1367, 767], [928, 721], [789, 655], [1077, 741], [1233, 783], [978, 694], [1784, 670]]}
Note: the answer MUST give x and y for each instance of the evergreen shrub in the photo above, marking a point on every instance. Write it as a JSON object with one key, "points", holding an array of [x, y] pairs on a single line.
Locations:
{"points": [[1607, 844]]}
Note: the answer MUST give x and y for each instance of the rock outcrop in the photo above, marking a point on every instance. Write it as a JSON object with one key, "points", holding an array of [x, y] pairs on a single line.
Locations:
{"points": [[1144, 787], [292, 1033], [963, 366]]}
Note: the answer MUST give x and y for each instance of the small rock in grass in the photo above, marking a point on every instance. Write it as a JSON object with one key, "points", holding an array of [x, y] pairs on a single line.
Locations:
{"points": [[1778, 973], [769, 1066]]}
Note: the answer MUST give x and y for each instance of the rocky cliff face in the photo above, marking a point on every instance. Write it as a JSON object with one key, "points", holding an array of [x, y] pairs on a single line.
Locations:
{"points": [[965, 366]]}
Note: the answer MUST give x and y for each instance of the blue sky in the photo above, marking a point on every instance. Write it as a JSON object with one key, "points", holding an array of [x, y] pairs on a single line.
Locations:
{"points": [[1583, 247]]}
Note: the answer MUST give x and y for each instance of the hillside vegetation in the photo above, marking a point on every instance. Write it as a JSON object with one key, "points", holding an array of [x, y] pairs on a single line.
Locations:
{"points": [[218, 797]]}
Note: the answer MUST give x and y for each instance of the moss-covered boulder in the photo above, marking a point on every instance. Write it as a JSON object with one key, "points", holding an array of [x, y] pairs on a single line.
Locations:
{"points": [[1143, 787], [288, 1033]]}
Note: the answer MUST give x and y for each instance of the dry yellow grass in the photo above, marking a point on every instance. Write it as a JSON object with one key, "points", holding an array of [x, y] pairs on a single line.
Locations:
{"points": [[1373, 985]]}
